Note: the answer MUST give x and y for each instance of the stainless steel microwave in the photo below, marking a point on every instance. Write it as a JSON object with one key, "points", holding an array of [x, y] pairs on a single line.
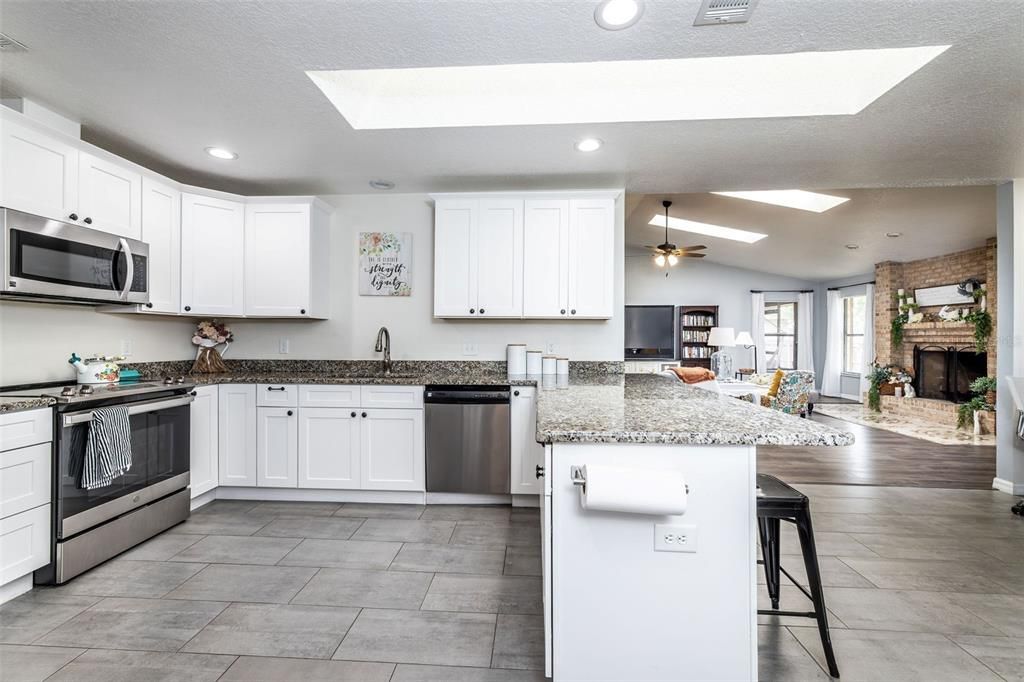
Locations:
{"points": [[50, 260]]}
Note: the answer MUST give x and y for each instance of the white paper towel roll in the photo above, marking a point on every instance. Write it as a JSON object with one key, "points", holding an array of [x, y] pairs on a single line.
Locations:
{"points": [[634, 491]]}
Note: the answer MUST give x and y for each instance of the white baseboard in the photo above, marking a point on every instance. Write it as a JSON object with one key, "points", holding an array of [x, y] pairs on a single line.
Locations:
{"points": [[467, 498], [203, 499], [1009, 487], [15, 588], [304, 495], [856, 398], [526, 500]]}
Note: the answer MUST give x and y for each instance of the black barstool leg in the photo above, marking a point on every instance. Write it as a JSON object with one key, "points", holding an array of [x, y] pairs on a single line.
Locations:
{"points": [[806, 532], [769, 530]]}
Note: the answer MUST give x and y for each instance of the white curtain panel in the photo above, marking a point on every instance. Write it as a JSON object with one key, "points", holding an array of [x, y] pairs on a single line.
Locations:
{"points": [[757, 330], [805, 332], [869, 336], [830, 381]]}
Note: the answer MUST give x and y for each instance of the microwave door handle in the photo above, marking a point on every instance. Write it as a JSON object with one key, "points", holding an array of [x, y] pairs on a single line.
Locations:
{"points": [[137, 408], [130, 275]]}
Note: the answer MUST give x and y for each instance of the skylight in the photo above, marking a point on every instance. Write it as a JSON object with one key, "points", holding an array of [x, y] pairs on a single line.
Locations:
{"points": [[708, 229], [751, 86], [791, 198]]}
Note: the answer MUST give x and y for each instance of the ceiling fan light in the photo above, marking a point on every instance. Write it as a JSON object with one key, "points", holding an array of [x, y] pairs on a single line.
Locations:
{"points": [[659, 260], [672, 259]]}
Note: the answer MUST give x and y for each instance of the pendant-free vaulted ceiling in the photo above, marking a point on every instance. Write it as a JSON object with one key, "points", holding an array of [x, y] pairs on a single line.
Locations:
{"points": [[160, 81]]}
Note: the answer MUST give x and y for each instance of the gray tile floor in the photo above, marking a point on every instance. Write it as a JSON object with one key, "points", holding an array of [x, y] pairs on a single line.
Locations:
{"points": [[922, 584]]}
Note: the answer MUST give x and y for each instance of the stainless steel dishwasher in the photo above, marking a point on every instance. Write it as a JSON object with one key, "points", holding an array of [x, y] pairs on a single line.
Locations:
{"points": [[468, 439]]}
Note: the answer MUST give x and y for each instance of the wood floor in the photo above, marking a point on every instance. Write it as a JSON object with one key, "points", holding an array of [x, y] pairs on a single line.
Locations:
{"points": [[882, 458]]}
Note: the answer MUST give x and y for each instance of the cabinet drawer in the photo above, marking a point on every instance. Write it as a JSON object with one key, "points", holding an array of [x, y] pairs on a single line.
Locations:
{"points": [[24, 478], [277, 395], [391, 396], [313, 395], [19, 429], [24, 543]]}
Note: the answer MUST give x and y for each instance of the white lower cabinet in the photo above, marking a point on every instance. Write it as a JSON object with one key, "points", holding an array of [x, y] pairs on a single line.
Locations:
{"points": [[237, 434], [329, 448], [24, 543], [527, 453], [392, 450], [277, 447], [203, 441]]}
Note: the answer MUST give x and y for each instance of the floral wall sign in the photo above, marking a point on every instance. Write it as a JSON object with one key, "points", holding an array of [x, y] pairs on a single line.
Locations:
{"points": [[385, 260]]}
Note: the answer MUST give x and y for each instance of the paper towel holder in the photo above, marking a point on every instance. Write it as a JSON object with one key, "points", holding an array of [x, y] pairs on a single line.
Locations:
{"points": [[577, 478]]}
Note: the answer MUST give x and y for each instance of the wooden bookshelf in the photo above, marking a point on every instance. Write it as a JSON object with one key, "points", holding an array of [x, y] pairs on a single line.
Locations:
{"points": [[695, 323]]}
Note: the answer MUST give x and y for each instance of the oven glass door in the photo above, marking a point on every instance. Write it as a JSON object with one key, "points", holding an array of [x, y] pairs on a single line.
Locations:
{"points": [[160, 451], [73, 265]]}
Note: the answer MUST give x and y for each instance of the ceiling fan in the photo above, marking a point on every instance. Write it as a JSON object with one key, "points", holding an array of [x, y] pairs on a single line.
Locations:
{"points": [[670, 253]]}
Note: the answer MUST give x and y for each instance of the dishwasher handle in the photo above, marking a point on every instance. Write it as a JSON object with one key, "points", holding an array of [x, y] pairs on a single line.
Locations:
{"points": [[466, 395]]}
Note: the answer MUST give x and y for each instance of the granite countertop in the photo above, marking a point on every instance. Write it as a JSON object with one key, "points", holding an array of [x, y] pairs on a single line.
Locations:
{"points": [[19, 403], [645, 408], [396, 379]]}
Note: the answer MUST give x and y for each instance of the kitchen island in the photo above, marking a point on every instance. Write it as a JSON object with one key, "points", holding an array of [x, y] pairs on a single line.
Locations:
{"points": [[639, 596]]}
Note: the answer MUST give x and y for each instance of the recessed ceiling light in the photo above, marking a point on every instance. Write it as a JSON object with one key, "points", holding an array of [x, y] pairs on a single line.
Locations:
{"points": [[221, 153], [853, 247], [382, 184], [615, 15], [893, 235], [588, 144], [708, 229], [791, 198], [836, 83]]}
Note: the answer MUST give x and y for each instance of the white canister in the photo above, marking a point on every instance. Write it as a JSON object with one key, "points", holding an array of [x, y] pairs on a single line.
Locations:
{"points": [[534, 362], [550, 365], [563, 367], [515, 358]]}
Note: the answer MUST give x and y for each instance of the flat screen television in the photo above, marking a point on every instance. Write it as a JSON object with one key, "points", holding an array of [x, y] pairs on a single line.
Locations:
{"points": [[650, 332]]}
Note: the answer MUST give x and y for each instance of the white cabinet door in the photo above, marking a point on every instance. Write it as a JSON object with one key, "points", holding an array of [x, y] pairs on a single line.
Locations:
{"points": [[391, 450], [237, 434], [161, 229], [499, 258], [328, 447], [109, 196], [527, 453], [455, 276], [545, 258], [38, 172], [277, 447], [591, 257], [212, 240], [203, 441], [277, 260], [24, 543]]}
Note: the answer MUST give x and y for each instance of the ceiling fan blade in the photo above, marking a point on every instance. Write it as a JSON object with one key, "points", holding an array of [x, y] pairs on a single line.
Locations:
{"points": [[699, 247], [693, 255]]}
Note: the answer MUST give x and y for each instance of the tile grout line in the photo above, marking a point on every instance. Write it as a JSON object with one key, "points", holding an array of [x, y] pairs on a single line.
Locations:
{"points": [[983, 663], [83, 652], [230, 665]]}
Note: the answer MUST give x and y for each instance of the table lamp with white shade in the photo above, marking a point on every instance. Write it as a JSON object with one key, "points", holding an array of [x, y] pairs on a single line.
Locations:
{"points": [[747, 341], [721, 362]]}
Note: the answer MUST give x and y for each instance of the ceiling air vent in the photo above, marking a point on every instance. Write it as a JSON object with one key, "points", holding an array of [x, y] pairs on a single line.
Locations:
{"points": [[714, 12], [9, 44]]}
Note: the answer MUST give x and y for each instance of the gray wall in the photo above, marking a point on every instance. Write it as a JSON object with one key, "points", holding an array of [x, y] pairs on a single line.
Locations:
{"points": [[696, 282]]}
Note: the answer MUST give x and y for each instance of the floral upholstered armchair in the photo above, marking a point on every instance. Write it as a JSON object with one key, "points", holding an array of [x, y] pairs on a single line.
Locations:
{"points": [[793, 395]]}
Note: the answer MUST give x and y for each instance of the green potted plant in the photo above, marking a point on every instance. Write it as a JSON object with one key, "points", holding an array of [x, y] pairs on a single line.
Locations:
{"points": [[877, 376], [965, 411], [982, 322], [985, 386]]}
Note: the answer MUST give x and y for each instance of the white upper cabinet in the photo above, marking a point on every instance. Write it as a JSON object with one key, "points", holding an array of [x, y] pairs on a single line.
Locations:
{"points": [[39, 172], [161, 229], [499, 258], [109, 196], [590, 256], [212, 240], [455, 228], [286, 259], [546, 258]]}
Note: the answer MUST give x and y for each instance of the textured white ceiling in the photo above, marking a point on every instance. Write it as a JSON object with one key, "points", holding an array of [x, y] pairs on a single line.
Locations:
{"points": [[933, 220], [159, 81]]}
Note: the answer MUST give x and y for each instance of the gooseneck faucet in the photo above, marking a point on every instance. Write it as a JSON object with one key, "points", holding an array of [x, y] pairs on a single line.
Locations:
{"points": [[384, 345]]}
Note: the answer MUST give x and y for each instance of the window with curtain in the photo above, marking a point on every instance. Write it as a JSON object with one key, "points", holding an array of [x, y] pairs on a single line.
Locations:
{"points": [[780, 334], [853, 334]]}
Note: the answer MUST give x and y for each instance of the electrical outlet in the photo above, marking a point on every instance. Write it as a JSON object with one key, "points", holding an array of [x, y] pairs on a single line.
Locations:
{"points": [[675, 538], [469, 349], [126, 347], [284, 345]]}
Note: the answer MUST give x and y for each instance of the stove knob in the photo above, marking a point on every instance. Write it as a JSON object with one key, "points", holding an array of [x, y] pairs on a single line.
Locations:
{"points": [[68, 391], [168, 381], [85, 390], [179, 380]]}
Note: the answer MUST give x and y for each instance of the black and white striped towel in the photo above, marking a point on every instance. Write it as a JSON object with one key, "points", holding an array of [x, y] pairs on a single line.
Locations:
{"points": [[108, 450], [1020, 424]]}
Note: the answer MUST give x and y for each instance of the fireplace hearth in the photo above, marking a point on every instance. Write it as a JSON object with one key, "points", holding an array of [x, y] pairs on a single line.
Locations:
{"points": [[946, 372]]}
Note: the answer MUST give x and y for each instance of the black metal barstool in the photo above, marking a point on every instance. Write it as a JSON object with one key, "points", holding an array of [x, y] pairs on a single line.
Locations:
{"points": [[777, 501]]}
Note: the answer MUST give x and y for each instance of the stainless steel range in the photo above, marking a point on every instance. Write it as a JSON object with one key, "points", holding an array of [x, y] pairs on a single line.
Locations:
{"points": [[91, 526]]}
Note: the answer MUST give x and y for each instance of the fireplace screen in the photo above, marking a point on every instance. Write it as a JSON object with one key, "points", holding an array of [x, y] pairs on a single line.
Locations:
{"points": [[946, 373]]}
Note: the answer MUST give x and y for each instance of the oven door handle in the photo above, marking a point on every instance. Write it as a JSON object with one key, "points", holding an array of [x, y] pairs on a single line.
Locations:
{"points": [[135, 408], [130, 261]]}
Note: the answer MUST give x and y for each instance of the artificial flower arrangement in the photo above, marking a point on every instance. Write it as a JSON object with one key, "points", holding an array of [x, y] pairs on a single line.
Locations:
{"points": [[209, 335]]}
